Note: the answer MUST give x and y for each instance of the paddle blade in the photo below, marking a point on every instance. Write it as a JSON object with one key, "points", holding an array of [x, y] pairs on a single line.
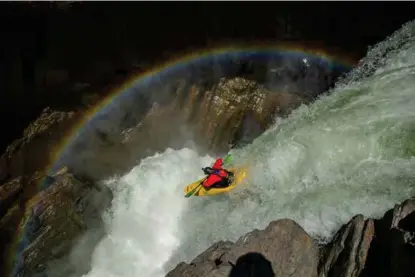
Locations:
{"points": [[227, 159], [190, 193], [193, 191]]}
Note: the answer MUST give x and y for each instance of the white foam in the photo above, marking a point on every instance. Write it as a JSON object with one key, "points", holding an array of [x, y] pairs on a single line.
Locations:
{"points": [[348, 153], [142, 225]]}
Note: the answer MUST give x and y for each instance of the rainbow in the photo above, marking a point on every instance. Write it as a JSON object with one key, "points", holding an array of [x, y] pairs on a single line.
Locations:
{"points": [[21, 237]]}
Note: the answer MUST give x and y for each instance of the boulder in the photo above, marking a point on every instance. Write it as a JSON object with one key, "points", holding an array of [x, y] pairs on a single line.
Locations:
{"points": [[392, 252], [281, 249], [346, 254]]}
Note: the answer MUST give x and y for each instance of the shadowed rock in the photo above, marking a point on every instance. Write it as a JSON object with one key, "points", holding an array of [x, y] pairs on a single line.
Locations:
{"points": [[252, 265], [282, 249], [346, 254], [392, 252], [34, 150], [50, 221]]}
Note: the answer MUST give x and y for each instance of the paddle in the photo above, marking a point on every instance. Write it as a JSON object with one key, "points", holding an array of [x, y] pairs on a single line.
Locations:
{"points": [[190, 193], [227, 159]]}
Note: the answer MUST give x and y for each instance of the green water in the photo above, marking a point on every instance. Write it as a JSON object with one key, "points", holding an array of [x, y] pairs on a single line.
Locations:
{"points": [[350, 152]]}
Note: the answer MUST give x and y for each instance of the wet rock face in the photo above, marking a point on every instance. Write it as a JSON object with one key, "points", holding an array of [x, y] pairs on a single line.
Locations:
{"points": [[392, 252], [346, 254], [235, 110], [49, 222], [21, 169], [384, 247], [46, 222]]}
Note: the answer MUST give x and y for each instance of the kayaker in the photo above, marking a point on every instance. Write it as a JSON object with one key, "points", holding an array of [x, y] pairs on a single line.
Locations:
{"points": [[218, 177]]}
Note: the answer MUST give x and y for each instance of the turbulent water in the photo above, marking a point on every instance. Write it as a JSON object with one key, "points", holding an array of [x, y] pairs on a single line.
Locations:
{"points": [[350, 152]]}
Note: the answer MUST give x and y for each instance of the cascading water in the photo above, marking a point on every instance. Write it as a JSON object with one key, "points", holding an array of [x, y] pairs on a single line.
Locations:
{"points": [[350, 152]]}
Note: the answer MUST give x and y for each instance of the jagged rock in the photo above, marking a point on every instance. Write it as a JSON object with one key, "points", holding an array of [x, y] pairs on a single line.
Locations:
{"points": [[32, 152], [21, 169], [282, 249], [219, 111], [22, 166], [214, 116], [9, 192], [346, 254], [52, 219], [369, 248], [392, 252]]}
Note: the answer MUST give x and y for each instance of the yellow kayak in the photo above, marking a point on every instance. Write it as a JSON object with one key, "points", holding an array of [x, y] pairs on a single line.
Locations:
{"points": [[239, 176]]}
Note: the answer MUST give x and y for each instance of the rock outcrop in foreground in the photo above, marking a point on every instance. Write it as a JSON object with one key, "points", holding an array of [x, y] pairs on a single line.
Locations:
{"points": [[363, 247]]}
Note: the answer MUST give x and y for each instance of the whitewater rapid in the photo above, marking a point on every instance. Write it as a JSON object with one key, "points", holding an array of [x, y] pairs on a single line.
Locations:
{"points": [[350, 152]]}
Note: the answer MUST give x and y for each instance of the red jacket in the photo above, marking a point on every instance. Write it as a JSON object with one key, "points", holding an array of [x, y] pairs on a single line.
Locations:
{"points": [[213, 178]]}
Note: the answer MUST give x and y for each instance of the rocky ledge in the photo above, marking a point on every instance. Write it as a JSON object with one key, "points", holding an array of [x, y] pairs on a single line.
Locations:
{"points": [[382, 247]]}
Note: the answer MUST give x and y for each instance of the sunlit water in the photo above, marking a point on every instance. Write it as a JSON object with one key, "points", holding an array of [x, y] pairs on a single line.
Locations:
{"points": [[350, 152]]}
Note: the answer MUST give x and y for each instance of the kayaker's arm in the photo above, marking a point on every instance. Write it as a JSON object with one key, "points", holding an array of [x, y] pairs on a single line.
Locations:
{"points": [[207, 170]]}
